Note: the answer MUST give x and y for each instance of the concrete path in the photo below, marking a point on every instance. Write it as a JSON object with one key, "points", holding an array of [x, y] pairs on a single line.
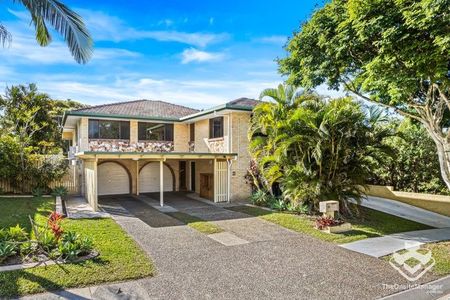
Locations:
{"points": [[406, 211], [78, 208], [385, 245]]}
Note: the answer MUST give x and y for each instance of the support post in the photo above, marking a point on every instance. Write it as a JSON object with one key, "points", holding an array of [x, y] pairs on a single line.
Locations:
{"points": [[137, 177], [161, 183], [229, 163]]}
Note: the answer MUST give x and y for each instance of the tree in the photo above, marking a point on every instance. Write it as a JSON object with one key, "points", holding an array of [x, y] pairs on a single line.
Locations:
{"points": [[65, 21], [412, 165], [33, 117], [314, 148], [395, 53]]}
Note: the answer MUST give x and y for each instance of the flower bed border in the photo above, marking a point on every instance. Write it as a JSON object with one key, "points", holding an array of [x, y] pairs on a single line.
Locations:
{"points": [[48, 262]]}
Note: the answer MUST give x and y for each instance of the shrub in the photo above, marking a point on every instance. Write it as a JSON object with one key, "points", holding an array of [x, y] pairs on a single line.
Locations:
{"points": [[47, 240], [259, 197], [297, 208], [37, 191], [27, 248], [325, 221], [278, 204], [6, 250], [17, 234], [60, 191], [86, 244]]}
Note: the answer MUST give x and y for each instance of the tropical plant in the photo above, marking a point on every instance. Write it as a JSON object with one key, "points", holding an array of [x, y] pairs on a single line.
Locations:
{"points": [[314, 148], [60, 191], [6, 250], [325, 221], [37, 192], [65, 21], [393, 53], [17, 234]]}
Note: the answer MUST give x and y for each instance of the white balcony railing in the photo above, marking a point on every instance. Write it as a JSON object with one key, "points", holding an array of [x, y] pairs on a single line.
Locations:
{"points": [[216, 145], [126, 146]]}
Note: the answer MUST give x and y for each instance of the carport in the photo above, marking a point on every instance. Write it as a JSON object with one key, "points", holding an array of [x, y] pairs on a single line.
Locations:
{"points": [[123, 172]]}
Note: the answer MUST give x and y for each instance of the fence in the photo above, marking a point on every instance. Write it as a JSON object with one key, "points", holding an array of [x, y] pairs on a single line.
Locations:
{"points": [[70, 180]]}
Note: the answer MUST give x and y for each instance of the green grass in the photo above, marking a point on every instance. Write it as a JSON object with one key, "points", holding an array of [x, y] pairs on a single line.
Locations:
{"points": [[196, 223], [120, 257], [440, 252], [371, 223]]}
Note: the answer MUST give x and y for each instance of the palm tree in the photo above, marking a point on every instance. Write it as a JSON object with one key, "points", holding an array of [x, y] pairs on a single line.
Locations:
{"points": [[65, 21], [314, 148]]}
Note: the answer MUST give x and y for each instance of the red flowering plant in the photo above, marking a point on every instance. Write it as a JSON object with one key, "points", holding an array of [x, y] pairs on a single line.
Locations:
{"points": [[54, 222], [326, 221]]}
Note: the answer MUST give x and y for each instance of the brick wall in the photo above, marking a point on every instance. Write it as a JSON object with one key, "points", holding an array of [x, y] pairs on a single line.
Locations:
{"points": [[181, 137], [239, 144]]}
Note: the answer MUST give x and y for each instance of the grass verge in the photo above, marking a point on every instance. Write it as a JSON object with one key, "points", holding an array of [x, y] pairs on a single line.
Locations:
{"points": [[196, 223], [370, 224], [120, 257]]}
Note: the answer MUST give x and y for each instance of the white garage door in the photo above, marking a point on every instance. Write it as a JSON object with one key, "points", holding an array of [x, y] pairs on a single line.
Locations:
{"points": [[112, 179], [149, 179]]}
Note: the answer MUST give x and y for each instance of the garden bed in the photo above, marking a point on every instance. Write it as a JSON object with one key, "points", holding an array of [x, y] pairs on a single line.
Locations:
{"points": [[120, 258]]}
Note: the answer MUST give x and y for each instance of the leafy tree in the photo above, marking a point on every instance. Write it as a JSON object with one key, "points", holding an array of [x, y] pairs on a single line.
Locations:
{"points": [[315, 148], [412, 165], [33, 117], [395, 53], [65, 21]]}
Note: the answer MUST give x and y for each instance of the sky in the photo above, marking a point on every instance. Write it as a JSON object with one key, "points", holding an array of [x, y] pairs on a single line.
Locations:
{"points": [[193, 53]]}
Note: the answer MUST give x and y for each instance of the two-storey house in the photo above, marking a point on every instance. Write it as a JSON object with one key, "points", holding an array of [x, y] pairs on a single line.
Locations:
{"points": [[147, 146]]}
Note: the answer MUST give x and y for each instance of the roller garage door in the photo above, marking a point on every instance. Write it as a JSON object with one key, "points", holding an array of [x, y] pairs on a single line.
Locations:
{"points": [[112, 179], [149, 178]]}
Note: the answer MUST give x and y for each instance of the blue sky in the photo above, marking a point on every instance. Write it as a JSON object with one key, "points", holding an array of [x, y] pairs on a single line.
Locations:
{"points": [[194, 53]]}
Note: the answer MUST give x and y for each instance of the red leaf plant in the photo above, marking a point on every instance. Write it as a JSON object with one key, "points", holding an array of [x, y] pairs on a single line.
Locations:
{"points": [[326, 221], [54, 221]]}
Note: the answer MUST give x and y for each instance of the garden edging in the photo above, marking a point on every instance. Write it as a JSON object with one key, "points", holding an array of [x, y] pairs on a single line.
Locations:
{"points": [[49, 262]]}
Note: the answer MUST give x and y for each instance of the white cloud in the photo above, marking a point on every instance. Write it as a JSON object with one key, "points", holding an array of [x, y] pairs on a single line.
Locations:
{"points": [[273, 39], [211, 21], [193, 93], [109, 28], [195, 55]]}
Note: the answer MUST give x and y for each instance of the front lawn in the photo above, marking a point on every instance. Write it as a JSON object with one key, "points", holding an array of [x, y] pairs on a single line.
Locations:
{"points": [[120, 257], [371, 224], [196, 223]]}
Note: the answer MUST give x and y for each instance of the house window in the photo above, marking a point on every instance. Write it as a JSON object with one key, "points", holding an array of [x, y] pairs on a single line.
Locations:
{"points": [[155, 132], [192, 132], [216, 127], [110, 130]]}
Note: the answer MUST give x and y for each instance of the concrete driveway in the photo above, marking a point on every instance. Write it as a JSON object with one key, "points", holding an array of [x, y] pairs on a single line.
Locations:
{"points": [[275, 263]]}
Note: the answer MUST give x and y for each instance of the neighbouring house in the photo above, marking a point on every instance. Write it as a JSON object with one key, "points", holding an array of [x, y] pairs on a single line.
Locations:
{"points": [[147, 146]]}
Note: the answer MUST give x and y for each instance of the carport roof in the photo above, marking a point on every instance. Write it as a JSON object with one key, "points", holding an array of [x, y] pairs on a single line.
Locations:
{"points": [[154, 155]]}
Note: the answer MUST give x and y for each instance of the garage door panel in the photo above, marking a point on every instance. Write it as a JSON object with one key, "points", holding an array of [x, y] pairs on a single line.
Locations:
{"points": [[112, 179], [149, 179]]}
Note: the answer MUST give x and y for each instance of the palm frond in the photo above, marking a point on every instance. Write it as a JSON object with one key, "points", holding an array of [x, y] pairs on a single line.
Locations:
{"points": [[5, 36], [65, 21]]}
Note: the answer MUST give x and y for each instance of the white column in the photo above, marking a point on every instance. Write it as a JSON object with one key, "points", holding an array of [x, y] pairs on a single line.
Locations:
{"points": [[215, 180], [229, 163], [161, 183], [137, 177]]}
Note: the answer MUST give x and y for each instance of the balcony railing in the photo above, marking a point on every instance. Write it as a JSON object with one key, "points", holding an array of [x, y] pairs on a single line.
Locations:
{"points": [[216, 145], [126, 146]]}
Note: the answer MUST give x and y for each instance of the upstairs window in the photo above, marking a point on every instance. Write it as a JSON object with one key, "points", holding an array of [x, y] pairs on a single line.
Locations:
{"points": [[192, 132], [216, 127], [109, 130], [155, 132]]}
